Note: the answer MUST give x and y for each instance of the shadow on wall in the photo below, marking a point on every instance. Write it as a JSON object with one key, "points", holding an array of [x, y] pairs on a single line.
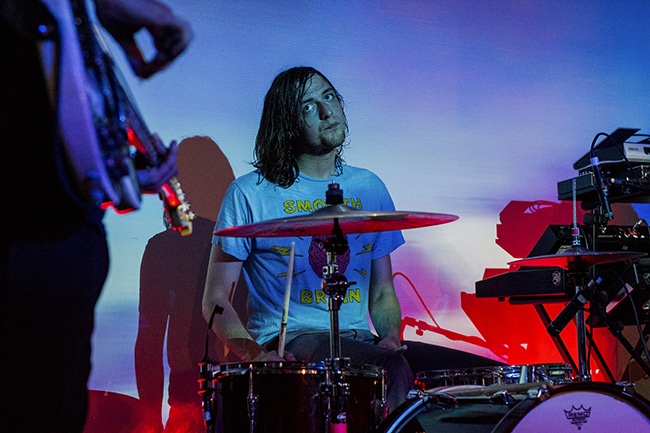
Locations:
{"points": [[172, 279]]}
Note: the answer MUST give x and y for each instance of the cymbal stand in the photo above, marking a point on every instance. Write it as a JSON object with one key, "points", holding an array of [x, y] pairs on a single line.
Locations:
{"points": [[581, 327], [575, 307], [583, 364], [335, 285], [335, 390]]}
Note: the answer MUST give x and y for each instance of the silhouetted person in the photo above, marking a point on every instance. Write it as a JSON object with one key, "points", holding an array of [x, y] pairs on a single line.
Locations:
{"points": [[172, 278]]}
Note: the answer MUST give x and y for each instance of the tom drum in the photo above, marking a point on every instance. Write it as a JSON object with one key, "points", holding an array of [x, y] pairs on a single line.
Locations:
{"points": [[275, 397]]}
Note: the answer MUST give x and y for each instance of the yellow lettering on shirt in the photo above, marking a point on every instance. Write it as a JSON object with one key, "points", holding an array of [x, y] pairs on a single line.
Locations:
{"points": [[319, 296], [308, 206], [306, 297], [353, 202]]}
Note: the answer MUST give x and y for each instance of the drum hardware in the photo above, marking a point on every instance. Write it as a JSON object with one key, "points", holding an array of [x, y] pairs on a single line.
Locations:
{"points": [[206, 391], [335, 285], [252, 401], [626, 285], [334, 393], [206, 368], [502, 397], [577, 261]]}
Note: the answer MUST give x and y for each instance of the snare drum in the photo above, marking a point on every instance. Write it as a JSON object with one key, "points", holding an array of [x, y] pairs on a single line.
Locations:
{"points": [[549, 373], [582, 407], [276, 397]]}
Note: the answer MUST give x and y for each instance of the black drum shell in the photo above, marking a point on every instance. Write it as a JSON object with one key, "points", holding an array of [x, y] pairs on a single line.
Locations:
{"points": [[288, 397]]}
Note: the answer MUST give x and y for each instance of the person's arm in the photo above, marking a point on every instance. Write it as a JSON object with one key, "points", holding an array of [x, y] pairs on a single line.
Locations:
{"points": [[383, 304], [123, 18], [223, 274], [171, 36]]}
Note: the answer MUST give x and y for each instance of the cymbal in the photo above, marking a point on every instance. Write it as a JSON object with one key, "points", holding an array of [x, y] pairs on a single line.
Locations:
{"points": [[351, 220], [578, 258]]}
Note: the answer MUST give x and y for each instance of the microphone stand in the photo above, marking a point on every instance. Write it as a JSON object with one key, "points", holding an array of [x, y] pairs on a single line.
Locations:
{"points": [[206, 390]]}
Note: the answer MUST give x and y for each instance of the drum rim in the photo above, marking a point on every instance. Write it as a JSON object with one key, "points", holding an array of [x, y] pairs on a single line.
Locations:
{"points": [[269, 367], [633, 397], [635, 400], [487, 369], [405, 412], [294, 367]]}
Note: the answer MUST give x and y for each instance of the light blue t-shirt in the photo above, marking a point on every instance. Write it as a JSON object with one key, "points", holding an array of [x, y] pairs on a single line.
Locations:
{"points": [[266, 259]]}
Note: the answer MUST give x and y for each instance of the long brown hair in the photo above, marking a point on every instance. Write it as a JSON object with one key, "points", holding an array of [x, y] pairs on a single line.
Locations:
{"points": [[281, 124]]}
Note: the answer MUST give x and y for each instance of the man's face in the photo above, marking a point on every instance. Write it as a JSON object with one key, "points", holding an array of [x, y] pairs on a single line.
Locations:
{"points": [[323, 128]]}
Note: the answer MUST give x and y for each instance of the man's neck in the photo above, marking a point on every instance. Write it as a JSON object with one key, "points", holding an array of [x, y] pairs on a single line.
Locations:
{"points": [[318, 166]]}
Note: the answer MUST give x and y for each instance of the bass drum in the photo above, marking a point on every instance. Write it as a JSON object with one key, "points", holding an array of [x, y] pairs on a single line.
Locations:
{"points": [[522, 408], [277, 397]]}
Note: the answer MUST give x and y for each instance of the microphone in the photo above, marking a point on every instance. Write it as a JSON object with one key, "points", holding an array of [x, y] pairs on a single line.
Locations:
{"points": [[602, 187], [568, 313]]}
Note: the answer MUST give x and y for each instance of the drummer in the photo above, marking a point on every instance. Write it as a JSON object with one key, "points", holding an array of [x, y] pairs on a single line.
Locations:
{"points": [[298, 153]]}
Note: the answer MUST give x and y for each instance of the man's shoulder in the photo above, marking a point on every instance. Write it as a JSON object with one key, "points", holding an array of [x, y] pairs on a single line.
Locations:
{"points": [[357, 171], [354, 172], [249, 181], [252, 176]]}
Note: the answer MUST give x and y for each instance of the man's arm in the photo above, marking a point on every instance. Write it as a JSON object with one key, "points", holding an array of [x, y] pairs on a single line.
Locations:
{"points": [[383, 304], [224, 271]]}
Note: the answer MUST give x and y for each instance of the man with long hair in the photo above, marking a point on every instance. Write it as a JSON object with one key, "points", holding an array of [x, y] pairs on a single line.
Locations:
{"points": [[297, 156]]}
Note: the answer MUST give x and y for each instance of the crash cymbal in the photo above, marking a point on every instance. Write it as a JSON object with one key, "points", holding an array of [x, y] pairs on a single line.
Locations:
{"points": [[578, 258], [351, 221]]}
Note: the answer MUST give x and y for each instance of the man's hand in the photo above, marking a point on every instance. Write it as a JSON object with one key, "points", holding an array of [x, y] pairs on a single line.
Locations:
{"points": [[152, 179], [393, 343], [124, 18], [273, 356]]}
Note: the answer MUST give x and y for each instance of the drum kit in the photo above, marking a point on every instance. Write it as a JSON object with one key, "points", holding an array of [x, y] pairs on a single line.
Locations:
{"points": [[334, 397]]}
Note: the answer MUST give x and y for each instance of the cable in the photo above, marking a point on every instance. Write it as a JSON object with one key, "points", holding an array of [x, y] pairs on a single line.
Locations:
{"points": [[602, 183], [619, 148]]}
